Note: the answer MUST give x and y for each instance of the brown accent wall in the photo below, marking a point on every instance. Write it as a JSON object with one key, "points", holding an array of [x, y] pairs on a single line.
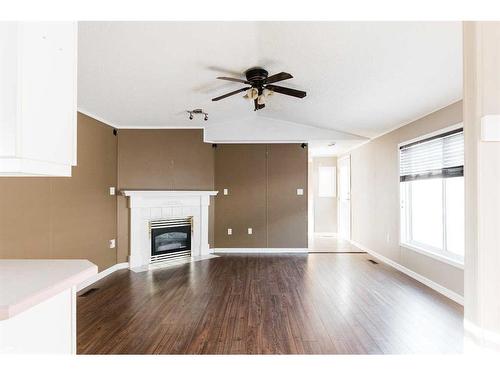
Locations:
{"points": [[240, 168], [168, 159], [262, 182], [62, 217], [287, 211]]}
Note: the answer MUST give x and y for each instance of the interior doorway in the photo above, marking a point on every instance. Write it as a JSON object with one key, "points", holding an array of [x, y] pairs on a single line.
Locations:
{"points": [[344, 198], [325, 197]]}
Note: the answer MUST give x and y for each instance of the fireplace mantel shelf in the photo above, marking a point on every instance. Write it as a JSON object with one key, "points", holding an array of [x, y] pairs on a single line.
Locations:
{"points": [[129, 193]]}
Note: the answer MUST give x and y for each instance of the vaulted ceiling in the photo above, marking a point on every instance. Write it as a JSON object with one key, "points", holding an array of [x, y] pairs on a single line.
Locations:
{"points": [[362, 78]]}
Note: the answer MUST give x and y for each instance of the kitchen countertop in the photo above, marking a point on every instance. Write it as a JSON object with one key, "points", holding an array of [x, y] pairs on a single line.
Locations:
{"points": [[27, 282]]}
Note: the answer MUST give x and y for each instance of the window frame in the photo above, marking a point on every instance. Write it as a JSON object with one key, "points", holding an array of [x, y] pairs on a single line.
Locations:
{"points": [[333, 192], [405, 227]]}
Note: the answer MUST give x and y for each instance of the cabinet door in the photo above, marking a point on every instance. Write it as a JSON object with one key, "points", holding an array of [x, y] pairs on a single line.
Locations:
{"points": [[47, 105], [8, 88]]}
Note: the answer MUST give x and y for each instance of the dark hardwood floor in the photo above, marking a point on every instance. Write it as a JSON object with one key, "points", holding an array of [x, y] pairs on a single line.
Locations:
{"points": [[253, 304]]}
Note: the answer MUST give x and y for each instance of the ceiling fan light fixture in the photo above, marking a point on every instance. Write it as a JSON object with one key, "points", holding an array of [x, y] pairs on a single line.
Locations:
{"points": [[267, 92], [261, 85], [253, 93]]}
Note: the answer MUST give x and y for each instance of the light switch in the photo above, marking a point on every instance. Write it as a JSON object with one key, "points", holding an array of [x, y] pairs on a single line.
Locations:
{"points": [[300, 191], [112, 243], [250, 230], [229, 231], [112, 190], [226, 191]]}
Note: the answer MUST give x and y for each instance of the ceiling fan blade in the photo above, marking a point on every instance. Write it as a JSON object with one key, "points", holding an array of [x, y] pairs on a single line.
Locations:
{"points": [[231, 93], [234, 80], [286, 91], [278, 77]]}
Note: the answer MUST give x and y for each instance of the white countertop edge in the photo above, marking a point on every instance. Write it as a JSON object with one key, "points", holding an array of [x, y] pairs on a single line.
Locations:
{"points": [[8, 311]]}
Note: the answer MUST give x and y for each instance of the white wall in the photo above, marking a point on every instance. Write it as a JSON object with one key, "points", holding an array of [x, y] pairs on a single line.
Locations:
{"points": [[375, 198]]}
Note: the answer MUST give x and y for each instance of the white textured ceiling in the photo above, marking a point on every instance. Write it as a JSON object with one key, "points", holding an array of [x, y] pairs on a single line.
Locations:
{"points": [[362, 78]]}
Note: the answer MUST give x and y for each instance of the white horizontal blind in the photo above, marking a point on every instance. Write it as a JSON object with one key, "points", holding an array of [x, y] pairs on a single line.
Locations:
{"points": [[441, 156]]}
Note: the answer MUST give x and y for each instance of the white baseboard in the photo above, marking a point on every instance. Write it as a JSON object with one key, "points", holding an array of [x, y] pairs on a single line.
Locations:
{"points": [[102, 274], [424, 280], [481, 336], [259, 250]]}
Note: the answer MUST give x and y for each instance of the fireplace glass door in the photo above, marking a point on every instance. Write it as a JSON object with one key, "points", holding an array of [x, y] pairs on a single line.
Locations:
{"points": [[171, 240]]}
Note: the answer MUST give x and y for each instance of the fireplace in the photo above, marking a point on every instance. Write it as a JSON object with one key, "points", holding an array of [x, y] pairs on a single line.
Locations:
{"points": [[147, 206], [170, 238]]}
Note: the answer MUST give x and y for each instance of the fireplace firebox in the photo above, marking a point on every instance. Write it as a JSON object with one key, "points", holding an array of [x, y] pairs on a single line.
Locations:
{"points": [[170, 238]]}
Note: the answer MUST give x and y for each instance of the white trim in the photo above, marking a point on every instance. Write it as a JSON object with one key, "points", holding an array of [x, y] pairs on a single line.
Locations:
{"points": [[101, 275], [339, 197], [434, 255], [73, 320], [33, 168], [135, 127], [424, 280], [483, 336], [98, 118], [328, 234], [490, 128], [169, 193], [259, 250], [138, 127]]}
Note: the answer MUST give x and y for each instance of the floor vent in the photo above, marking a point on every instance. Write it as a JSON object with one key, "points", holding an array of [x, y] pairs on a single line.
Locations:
{"points": [[372, 261], [88, 292]]}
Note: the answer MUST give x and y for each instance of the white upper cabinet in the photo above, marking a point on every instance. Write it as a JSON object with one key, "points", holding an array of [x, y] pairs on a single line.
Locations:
{"points": [[38, 62]]}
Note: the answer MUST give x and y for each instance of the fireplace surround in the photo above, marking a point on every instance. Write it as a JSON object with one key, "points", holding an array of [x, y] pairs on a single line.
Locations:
{"points": [[149, 209]]}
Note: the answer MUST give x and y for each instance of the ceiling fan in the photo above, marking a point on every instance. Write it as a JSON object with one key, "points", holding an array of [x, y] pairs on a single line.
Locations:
{"points": [[260, 86]]}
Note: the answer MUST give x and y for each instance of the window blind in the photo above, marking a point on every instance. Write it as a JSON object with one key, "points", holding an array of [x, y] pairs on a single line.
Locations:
{"points": [[441, 156]]}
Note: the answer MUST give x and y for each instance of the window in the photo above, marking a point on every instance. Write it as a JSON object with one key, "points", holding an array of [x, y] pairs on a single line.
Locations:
{"points": [[327, 182], [432, 195]]}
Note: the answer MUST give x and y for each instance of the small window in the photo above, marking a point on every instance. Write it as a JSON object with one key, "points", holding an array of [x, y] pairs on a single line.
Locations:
{"points": [[432, 195], [327, 182]]}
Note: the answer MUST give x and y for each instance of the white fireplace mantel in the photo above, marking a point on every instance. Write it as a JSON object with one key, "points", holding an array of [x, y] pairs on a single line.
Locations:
{"points": [[147, 205]]}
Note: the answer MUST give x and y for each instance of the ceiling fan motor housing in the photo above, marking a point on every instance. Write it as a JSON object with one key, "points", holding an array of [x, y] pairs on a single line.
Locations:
{"points": [[256, 75]]}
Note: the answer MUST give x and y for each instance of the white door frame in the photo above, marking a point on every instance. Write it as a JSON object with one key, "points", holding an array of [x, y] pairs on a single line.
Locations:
{"points": [[344, 197]]}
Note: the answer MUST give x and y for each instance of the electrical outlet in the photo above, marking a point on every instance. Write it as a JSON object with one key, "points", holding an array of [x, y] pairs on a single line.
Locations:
{"points": [[226, 191], [300, 191], [229, 231], [112, 190], [250, 230], [112, 243]]}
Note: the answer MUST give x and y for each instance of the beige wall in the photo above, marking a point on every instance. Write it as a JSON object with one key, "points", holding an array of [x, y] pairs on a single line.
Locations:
{"points": [[375, 198], [325, 208], [169, 159], [62, 217], [262, 182]]}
